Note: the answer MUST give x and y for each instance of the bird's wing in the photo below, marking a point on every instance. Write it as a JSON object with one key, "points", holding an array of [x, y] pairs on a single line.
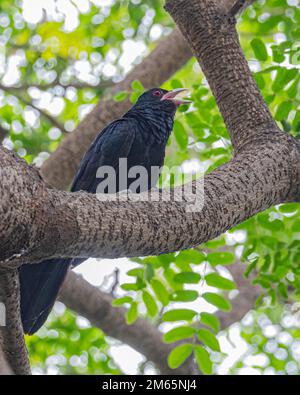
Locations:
{"points": [[113, 143]]}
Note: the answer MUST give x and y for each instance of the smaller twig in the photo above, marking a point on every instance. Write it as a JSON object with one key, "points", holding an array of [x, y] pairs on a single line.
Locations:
{"points": [[5, 369], [44, 113], [104, 281], [76, 85], [116, 281], [3, 133]]}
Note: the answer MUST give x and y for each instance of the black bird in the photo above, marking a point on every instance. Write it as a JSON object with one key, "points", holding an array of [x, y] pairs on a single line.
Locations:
{"points": [[140, 136]]}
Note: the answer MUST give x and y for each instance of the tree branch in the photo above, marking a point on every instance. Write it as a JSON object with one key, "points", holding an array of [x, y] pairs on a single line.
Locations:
{"points": [[5, 369], [244, 301], [209, 29], [236, 7], [96, 306], [3, 133], [22, 86], [43, 113], [169, 56], [54, 224], [11, 335]]}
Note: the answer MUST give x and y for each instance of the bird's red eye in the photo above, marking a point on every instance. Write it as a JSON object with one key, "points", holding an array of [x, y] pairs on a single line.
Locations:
{"points": [[157, 93]]}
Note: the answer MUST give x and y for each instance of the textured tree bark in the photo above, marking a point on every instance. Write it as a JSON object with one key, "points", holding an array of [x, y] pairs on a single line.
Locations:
{"points": [[53, 224], [168, 57], [11, 335], [5, 369], [209, 29]]}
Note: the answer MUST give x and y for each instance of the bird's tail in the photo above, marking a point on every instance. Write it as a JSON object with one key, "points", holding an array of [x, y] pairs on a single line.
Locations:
{"points": [[39, 286]]}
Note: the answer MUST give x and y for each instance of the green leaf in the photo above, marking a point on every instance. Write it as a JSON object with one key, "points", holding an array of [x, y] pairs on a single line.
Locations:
{"points": [[136, 272], [215, 280], [121, 301], [190, 256], [296, 121], [179, 315], [210, 320], [176, 84], [134, 97], [185, 296], [179, 333], [283, 110], [149, 272], [150, 303], [217, 300], [283, 77], [289, 207], [208, 339], [187, 278], [203, 360], [220, 258], [130, 287], [278, 56], [170, 274], [282, 289], [132, 313], [160, 291], [259, 49], [293, 89], [180, 135], [137, 86], [296, 226], [120, 96], [179, 354], [260, 81]]}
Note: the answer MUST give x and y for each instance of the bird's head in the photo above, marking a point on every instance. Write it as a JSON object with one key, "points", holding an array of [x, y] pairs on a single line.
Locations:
{"points": [[162, 100], [157, 107]]}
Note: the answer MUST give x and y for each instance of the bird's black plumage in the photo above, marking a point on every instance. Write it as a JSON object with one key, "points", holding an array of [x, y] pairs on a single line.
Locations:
{"points": [[140, 136]]}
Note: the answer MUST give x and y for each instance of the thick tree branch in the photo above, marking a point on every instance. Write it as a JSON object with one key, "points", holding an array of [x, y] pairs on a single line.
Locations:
{"points": [[96, 306], [168, 57], [11, 335], [244, 301], [210, 31], [55, 224], [5, 369], [53, 121]]}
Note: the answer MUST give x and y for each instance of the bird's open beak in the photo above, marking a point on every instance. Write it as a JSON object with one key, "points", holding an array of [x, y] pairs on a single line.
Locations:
{"points": [[176, 96]]}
